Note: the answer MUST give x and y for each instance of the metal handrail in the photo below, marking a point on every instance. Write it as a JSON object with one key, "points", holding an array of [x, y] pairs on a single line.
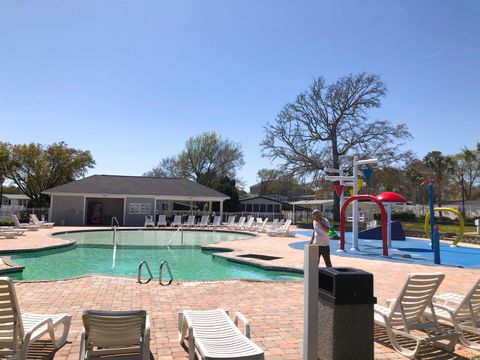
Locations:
{"points": [[174, 234], [160, 273], [139, 274], [114, 222]]}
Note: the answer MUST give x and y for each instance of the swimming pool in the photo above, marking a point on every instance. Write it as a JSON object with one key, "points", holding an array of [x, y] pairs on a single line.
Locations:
{"points": [[410, 250], [94, 253]]}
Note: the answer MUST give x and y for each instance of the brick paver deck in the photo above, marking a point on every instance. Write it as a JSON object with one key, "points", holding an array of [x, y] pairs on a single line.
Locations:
{"points": [[275, 309]]}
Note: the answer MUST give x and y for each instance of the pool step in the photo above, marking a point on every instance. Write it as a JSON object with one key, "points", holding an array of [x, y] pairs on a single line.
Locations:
{"points": [[8, 266]]}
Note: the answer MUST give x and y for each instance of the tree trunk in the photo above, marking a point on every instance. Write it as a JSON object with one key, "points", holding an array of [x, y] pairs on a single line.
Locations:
{"points": [[336, 165]]}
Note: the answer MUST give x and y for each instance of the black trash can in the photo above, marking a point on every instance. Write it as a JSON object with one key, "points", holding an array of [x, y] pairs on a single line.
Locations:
{"points": [[345, 314]]}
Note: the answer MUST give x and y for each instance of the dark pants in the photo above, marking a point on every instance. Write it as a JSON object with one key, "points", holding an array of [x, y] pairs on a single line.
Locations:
{"points": [[325, 252]]}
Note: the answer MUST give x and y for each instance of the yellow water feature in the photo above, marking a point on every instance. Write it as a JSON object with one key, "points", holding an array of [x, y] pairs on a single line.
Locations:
{"points": [[456, 212]]}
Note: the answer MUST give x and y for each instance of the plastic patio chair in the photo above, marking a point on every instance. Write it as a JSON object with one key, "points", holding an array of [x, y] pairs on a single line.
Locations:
{"points": [[213, 335], [149, 221], [24, 226], [115, 334], [405, 316], [463, 312], [162, 220], [282, 231], [34, 220], [177, 221], [203, 221], [190, 221], [217, 222], [18, 331]]}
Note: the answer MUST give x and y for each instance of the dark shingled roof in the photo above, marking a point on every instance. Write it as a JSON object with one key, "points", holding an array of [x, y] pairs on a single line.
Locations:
{"points": [[136, 185]]}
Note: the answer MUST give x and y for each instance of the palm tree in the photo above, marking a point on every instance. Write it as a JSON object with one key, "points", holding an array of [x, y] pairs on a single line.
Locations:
{"points": [[440, 166]]}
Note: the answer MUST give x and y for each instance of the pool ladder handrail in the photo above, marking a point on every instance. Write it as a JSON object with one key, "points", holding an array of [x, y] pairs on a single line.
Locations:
{"points": [[180, 228], [114, 222], [139, 275], [160, 273]]}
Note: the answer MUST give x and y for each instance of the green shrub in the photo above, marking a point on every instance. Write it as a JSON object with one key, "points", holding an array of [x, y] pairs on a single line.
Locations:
{"points": [[7, 223]]}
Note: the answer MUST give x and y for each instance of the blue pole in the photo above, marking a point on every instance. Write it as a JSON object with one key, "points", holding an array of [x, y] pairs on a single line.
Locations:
{"points": [[432, 214], [436, 251]]}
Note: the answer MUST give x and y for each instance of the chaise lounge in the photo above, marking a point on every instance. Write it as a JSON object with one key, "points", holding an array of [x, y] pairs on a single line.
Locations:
{"points": [[115, 335], [405, 316], [18, 331], [213, 335]]}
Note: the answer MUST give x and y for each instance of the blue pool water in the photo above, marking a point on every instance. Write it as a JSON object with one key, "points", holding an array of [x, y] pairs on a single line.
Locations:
{"points": [[408, 251], [94, 253]]}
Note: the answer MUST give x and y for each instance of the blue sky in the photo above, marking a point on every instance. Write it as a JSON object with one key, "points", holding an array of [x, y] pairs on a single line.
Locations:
{"points": [[132, 80]]}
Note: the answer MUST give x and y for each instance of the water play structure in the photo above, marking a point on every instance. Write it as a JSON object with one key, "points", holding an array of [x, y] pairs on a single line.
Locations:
{"points": [[383, 220], [452, 210], [351, 181]]}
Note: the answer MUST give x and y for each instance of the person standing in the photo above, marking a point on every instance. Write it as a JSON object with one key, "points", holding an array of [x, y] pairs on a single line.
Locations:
{"points": [[320, 236]]}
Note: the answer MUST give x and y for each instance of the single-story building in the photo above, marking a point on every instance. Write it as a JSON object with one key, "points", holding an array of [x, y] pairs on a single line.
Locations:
{"points": [[96, 199], [265, 205], [19, 200], [324, 205]]}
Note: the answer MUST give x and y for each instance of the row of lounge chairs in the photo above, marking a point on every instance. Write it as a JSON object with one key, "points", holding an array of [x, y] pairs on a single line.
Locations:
{"points": [[10, 232], [211, 334], [416, 312], [123, 334], [276, 228]]}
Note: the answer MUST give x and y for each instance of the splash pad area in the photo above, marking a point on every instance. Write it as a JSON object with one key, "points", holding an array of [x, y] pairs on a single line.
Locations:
{"points": [[415, 251]]}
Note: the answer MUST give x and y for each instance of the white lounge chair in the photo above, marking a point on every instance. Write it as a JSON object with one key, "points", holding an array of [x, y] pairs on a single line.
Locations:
{"points": [[463, 312], [249, 225], [12, 229], [162, 220], [24, 226], [8, 234], [240, 223], [203, 221], [43, 224], [272, 226], [217, 222], [190, 221], [230, 222], [115, 335], [407, 313], [177, 221], [261, 227], [18, 331], [149, 221], [282, 231], [213, 335]]}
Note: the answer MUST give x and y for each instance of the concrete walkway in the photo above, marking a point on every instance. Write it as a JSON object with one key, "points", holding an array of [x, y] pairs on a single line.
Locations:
{"points": [[274, 309]]}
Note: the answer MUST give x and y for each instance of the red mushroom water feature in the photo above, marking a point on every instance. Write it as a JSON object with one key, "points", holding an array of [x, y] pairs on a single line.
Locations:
{"points": [[388, 198]]}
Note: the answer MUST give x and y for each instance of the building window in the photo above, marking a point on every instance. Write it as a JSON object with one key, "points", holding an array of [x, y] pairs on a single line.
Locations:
{"points": [[248, 207], [270, 208], [139, 209], [255, 207], [276, 208], [262, 208], [164, 206]]}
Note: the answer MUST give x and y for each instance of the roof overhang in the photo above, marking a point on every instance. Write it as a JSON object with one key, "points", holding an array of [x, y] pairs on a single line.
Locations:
{"points": [[157, 197]]}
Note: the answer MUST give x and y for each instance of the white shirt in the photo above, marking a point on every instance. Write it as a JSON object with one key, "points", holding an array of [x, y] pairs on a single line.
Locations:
{"points": [[321, 237]]}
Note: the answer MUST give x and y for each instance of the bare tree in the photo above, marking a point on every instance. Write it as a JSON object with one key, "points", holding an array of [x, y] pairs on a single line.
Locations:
{"points": [[327, 124], [166, 168], [206, 159]]}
